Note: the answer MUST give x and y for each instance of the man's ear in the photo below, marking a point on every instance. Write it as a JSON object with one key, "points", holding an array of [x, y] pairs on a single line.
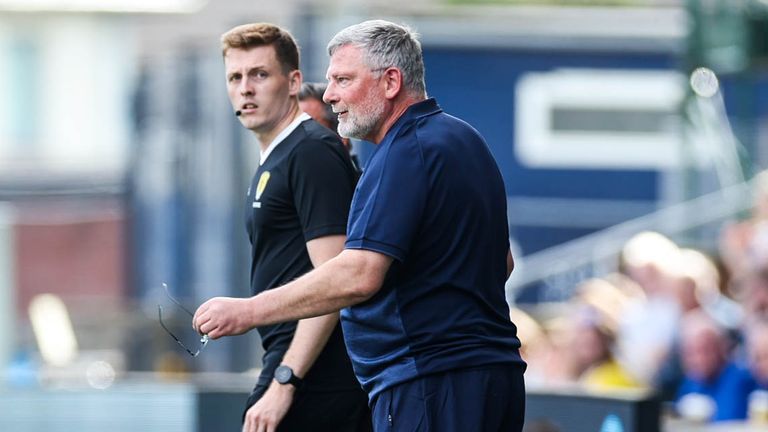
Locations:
{"points": [[393, 82], [294, 82]]}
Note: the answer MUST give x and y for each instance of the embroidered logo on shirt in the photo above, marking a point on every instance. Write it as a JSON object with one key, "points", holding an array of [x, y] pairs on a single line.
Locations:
{"points": [[260, 188]]}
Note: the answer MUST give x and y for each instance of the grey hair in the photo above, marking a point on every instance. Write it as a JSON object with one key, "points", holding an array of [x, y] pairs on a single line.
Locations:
{"points": [[386, 44]]}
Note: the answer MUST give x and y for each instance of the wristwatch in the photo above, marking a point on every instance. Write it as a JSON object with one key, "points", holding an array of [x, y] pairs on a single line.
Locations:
{"points": [[285, 375]]}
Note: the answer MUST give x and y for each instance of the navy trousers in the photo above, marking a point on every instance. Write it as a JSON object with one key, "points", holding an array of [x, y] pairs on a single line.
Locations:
{"points": [[481, 399]]}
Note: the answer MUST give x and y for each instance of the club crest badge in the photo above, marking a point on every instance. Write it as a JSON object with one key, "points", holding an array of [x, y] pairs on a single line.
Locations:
{"points": [[263, 180]]}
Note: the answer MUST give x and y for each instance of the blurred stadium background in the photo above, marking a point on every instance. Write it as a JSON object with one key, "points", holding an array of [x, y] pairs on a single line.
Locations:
{"points": [[122, 168]]}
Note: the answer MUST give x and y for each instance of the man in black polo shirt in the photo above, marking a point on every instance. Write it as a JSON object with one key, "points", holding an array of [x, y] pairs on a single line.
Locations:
{"points": [[296, 216]]}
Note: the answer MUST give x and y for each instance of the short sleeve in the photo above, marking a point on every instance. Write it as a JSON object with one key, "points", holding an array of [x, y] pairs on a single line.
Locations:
{"points": [[389, 203], [322, 184]]}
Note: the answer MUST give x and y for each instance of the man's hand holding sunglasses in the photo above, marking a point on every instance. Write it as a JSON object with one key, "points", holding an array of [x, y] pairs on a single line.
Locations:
{"points": [[224, 316]]}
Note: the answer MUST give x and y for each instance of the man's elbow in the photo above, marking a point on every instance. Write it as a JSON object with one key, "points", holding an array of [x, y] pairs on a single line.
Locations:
{"points": [[362, 290], [364, 284], [365, 274]]}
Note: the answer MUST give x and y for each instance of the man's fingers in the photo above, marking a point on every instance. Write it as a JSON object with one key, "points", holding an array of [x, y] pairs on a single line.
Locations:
{"points": [[218, 317], [199, 322], [247, 424], [258, 421], [197, 318], [253, 424], [210, 329], [215, 334], [264, 426]]}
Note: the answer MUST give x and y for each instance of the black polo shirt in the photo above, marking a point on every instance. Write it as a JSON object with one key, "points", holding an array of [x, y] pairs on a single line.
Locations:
{"points": [[302, 191]]}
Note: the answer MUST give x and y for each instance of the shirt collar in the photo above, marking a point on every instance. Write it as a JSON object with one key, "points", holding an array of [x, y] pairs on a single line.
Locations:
{"points": [[282, 136], [414, 112]]}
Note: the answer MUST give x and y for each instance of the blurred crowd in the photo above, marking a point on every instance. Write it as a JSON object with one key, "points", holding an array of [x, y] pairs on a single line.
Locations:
{"points": [[688, 325]]}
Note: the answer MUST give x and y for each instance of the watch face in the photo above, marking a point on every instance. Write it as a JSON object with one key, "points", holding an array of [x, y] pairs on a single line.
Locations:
{"points": [[283, 374]]}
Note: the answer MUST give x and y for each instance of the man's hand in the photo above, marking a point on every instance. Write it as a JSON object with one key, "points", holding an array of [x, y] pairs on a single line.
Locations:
{"points": [[267, 412], [223, 316]]}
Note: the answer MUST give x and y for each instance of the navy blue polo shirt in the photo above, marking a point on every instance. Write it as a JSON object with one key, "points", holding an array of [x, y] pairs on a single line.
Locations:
{"points": [[432, 198]]}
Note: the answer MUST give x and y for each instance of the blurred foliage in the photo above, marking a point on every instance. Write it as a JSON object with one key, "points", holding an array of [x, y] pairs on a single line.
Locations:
{"points": [[728, 36]]}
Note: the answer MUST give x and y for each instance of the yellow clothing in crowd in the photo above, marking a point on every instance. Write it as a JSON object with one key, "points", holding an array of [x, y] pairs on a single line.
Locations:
{"points": [[609, 376]]}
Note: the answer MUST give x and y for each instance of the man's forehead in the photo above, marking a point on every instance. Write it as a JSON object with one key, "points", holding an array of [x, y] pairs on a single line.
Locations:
{"points": [[258, 56], [347, 55]]}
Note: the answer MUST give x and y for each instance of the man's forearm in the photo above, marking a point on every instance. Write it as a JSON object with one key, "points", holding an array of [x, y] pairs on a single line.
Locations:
{"points": [[339, 283], [308, 341], [350, 278]]}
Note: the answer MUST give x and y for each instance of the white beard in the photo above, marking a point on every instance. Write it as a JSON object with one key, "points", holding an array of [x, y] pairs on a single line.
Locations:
{"points": [[360, 122]]}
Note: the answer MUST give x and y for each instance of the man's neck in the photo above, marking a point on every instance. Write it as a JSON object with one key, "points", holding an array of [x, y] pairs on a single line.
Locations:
{"points": [[266, 138], [400, 107]]}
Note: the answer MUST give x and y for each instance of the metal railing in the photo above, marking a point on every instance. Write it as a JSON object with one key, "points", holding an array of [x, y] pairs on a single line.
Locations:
{"points": [[599, 251]]}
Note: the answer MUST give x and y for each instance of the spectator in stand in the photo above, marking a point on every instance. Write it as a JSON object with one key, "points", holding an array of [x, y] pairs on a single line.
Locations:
{"points": [[714, 387], [744, 244], [607, 297], [757, 352], [694, 281], [543, 350], [752, 294], [592, 342], [647, 327]]}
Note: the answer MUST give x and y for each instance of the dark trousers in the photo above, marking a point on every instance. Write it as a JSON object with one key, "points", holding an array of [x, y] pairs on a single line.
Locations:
{"points": [[314, 411], [482, 399]]}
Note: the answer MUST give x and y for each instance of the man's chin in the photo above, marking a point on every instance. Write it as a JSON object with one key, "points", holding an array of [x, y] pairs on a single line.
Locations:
{"points": [[345, 133], [350, 133]]}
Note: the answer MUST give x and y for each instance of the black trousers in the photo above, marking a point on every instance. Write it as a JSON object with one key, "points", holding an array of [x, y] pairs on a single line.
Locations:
{"points": [[321, 411]]}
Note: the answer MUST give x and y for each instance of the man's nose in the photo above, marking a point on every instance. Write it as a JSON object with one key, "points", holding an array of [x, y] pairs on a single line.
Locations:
{"points": [[246, 88], [329, 96]]}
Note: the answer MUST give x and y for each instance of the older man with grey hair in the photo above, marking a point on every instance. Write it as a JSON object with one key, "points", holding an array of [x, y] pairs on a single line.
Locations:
{"points": [[421, 278]]}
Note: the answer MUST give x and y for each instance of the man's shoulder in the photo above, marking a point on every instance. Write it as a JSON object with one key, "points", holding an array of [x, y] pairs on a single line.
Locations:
{"points": [[311, 133], [315, 145], [313, 129], [307, 139], [441, 127]]}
